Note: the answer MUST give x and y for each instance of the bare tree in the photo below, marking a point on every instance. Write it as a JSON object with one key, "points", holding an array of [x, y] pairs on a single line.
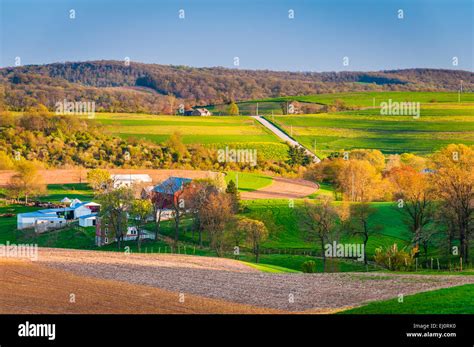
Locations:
{"points": [[320, 218]]}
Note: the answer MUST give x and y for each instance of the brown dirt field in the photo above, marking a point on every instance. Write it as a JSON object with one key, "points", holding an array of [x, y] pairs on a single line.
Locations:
{"points": [[31, 288], [235, 282], [63, 176], [280, 188]]}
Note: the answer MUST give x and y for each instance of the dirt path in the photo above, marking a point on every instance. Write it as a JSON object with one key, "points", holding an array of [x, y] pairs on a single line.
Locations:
{"points": [[232, 281], [282, 188]]}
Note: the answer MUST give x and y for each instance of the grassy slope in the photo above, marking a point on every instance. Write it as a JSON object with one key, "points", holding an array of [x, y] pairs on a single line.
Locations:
{"points": [[248, 181], [367, 98], [215, 132], [437, 126], [455, 300]]}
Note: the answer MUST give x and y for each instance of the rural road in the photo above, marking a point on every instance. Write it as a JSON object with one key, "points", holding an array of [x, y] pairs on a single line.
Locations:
{"points": [[213, 281], [285, 137]]}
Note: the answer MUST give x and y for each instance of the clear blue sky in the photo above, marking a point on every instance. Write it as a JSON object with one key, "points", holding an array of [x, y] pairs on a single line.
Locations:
{"points": [[258, 32]]}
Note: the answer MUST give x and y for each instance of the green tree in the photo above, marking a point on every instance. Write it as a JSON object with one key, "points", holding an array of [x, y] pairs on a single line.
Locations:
{"points": [[140, 211], [297, 156], [256, 233], [26, 181], [98, 179], [115, 204], [234, 195], [176, 147], [233, 109], [6, 163]]}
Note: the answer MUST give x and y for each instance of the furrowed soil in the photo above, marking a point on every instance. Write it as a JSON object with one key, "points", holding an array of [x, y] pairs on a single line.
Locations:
{"points": [[32, 288]]}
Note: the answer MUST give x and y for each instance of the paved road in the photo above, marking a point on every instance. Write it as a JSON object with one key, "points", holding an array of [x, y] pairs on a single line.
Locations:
{"points": [[285, 137]]}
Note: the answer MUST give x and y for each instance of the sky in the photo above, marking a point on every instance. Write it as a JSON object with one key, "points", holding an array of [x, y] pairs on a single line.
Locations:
{"points": [[323, 35]]}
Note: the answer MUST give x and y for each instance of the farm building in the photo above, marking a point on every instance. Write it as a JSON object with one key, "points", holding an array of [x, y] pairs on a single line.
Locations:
{"points": [[46, 219], [198, 112], [56, 217], [167, 191], [129, 180], [88, 220], [85, 208]]}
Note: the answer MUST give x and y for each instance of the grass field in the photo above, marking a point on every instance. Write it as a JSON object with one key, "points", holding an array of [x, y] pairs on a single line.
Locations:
{"points": [[454, 300], [438, 125], [366, 99], [360, 99], [248, 182], [215, 132]]}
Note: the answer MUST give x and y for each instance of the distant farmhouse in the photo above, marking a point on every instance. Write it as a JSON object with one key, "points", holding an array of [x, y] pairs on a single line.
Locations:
{"points": [[129, 180], [103, 235], [198, 112], [54, 218], [167, 190]]}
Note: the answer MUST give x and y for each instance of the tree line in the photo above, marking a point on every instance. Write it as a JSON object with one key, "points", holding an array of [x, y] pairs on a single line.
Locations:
{"points": [[104, 82], [69, 141], [434, 195]]}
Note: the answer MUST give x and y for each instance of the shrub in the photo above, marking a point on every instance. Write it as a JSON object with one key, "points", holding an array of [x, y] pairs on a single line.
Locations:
{"points": [[309, 266], [395, 259]]}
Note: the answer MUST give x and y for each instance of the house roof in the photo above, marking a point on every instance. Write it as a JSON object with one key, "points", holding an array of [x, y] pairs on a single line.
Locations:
{"points": [[88, 216], [55, 210], [171, 185], [39, 214], [88, 203]]}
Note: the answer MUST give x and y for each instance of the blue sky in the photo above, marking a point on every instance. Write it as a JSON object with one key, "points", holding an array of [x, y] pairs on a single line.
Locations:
{"points": [[258, 32]]}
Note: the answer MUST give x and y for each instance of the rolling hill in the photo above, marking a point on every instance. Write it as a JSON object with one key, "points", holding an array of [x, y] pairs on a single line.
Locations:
{"points": [[119, 87]]}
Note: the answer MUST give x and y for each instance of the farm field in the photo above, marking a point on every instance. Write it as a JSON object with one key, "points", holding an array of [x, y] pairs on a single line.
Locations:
{"points": [[231, 281], [215, 132], [366, 99], [454, 300], [40, 289], [437, 126], [248, 182], [271, 106]]}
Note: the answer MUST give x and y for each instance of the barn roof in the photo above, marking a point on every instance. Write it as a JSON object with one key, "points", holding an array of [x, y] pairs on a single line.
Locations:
{"points": [[171, 185]]}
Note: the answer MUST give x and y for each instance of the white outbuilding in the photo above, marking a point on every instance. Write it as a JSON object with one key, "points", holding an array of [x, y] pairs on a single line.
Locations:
{"points": [[88, 220], [129, 180]]}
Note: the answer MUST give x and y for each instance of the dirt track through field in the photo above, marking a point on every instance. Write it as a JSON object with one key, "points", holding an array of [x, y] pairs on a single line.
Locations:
{"points": [[280, 188], [230, 281]]}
